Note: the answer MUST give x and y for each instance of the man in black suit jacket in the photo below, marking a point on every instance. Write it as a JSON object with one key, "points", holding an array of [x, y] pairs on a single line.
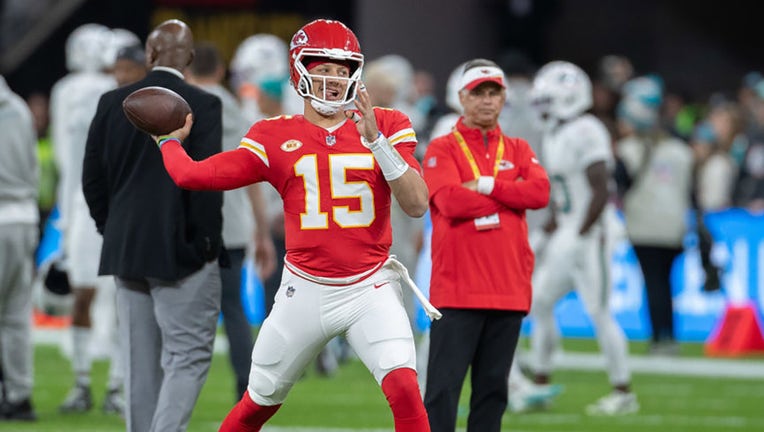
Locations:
{"points": [[160, 242]]}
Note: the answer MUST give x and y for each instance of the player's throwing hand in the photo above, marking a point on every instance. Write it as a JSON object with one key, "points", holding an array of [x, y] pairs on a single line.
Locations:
{"points": [[181, 134]]}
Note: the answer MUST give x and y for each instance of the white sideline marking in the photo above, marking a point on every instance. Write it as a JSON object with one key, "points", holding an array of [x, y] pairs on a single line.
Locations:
{"points": [[712, 422], [701, 367]]}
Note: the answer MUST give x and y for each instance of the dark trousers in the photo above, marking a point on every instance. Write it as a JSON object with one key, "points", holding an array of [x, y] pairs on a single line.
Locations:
{"points": [[656, 263], [486, 341], [237, 327]]}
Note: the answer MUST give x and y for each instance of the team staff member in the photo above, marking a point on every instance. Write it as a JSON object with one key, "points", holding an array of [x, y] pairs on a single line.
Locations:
{"points": [[481, 182], [335, 171], [160, 242]]}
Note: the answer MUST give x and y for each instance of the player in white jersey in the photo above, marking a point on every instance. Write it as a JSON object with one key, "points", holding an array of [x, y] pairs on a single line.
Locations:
{"points": [[577, 154], [73, 104]]}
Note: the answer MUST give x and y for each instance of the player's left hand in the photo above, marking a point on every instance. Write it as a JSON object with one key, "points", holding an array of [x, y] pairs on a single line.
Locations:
{"points": [[367, 123]]}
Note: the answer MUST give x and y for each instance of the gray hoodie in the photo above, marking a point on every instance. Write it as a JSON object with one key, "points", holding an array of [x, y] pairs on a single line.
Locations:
{"points": [[19, 174]]}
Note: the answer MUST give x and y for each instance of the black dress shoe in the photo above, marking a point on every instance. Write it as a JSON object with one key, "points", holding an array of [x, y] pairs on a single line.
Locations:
{"points": [[22, 411]]}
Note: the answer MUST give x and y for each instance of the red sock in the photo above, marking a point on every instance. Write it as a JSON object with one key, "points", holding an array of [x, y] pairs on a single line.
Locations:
{"points": [[247, 416], [402, 391]]}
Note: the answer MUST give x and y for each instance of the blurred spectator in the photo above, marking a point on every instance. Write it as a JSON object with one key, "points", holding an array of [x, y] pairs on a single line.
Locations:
{"points": [[269, 102], [518, 118], [749, 189], [130, 65], [654, 176], [38, 104], [18, 237], [259, 76], [388, 90], [612, 73], [716, 169], [679, 115], [382, 87], [263, 60], [615, 71], [244, 217], [716, 172], [73, 103], [424, 101], [118, 39], [446, 122], [748, 98], [401, 75]]}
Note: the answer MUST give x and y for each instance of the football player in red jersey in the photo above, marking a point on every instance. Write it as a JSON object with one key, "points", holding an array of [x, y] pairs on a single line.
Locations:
{"points": [[335, 170]]}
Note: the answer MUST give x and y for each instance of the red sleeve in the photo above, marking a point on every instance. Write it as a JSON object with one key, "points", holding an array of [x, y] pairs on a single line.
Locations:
{"points": [[444, 180], [531, 189], [223, 171], [396, 127]]}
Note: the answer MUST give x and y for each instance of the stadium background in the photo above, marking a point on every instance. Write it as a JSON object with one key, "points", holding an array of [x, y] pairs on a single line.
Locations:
{"points": [[699, 48]]}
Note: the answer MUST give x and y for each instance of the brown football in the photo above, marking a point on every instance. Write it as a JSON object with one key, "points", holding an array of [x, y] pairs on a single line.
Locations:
{"points": [[156, 110]]}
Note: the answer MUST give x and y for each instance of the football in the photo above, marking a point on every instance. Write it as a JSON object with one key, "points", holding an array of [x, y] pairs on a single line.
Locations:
{"points": [[156, 110]]}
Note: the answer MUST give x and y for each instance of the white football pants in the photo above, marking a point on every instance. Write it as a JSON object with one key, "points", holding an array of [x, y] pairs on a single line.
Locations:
{"points": [[306, 315], [571, 261]]}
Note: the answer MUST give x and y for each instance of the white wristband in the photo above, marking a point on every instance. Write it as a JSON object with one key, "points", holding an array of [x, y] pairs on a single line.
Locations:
{"points": [[485, 184], [392, 163]]}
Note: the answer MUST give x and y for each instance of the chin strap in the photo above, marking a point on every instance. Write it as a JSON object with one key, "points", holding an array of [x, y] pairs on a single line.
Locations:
{"points": [[392, 163], [324, 108]]}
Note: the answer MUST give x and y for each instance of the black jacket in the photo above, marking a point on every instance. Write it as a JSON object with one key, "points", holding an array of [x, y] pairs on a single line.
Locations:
{"points": [[150, 227]]}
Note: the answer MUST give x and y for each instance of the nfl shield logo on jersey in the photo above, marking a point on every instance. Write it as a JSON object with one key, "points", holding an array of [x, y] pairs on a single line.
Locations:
{"points": [[331, 140], [290, 291]]}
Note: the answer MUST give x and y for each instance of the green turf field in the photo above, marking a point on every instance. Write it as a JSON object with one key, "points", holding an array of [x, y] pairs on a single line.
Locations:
{"points": [[351, 401]]}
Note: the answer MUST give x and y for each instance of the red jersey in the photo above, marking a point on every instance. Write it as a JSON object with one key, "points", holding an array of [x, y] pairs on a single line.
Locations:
{"points": [[336, 201], [489, 268]]}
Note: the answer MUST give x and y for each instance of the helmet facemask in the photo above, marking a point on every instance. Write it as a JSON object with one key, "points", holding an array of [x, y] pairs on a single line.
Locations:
{"points": [[323, 103]]}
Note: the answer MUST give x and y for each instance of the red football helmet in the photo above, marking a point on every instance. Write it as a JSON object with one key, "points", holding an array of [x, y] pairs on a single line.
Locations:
{"points": [[327, 39]]}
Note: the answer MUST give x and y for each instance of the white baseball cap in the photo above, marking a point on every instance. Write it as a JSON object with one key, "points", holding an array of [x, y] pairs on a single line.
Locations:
{"points": [[475, 76]]}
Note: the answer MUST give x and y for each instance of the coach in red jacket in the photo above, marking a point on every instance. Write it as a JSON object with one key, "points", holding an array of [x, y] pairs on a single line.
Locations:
{"points": [[481, 182]]}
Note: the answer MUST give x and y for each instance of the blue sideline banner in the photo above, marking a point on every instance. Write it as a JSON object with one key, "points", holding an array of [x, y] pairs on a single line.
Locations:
{"points": [[738, 248]]}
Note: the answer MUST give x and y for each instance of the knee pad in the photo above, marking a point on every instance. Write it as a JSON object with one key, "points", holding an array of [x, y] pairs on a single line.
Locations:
{"points": [[264, 387]]}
